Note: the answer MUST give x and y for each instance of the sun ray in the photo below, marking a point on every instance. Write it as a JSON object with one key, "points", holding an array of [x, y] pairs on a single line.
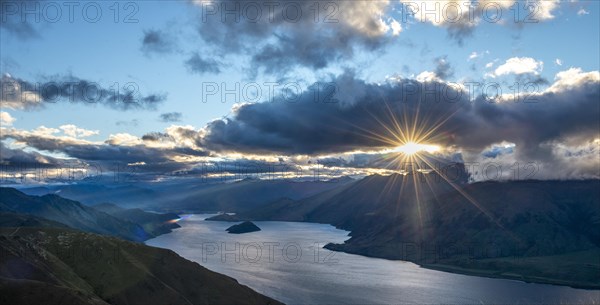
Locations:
{"points": [[412, 138]]}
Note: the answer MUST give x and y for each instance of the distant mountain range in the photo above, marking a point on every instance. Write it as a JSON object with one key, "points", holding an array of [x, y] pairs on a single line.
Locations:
{"points": [[516, 229], [135, 225], [93, 193], [191, 196]]}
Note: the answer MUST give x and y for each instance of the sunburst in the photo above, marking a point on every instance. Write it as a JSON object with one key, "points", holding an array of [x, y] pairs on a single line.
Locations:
{"points": [[412, 148], [414, 140]]}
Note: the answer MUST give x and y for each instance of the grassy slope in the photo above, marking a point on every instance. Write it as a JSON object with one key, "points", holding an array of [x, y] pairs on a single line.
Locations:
{"points": [[61, 266]]}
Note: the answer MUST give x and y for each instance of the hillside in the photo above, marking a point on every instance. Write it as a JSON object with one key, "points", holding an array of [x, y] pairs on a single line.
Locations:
{"points": [[71, 213], [153, 223], [488, 227], [59, 266]]}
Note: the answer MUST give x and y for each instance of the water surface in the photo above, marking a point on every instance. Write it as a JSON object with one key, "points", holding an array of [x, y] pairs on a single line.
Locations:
{"points": [[286, 261]]}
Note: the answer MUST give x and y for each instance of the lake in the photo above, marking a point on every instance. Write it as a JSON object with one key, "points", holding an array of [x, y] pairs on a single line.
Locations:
{"points": [[286, 261]]}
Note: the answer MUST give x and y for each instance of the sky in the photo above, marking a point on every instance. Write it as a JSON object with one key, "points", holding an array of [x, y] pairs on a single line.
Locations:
{"points": [[165, 88]]}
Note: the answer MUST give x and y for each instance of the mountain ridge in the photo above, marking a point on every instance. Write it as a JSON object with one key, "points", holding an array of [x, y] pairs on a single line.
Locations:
{"points": [[472, 227]]}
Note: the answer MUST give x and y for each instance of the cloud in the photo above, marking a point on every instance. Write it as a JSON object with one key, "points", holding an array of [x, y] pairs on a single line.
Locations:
{"points": [[443, 69], [497, 150], [427, 76], [288, 33], [490, 64], [171, 117], [76, 132], [175, 153], [199, 65], [460, 18], [582, 12], [375, 118], [19, 159], [572, 78], [6, 119], [155, 41], [475, 55], [558, 62], [544, 9], [356, 122], [13, 21], [366, 121], [519, 65], [21, 94]]}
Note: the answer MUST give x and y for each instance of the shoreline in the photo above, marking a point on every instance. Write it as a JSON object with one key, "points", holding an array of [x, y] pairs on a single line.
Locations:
{"points": [[460, 270], [507, 275]]}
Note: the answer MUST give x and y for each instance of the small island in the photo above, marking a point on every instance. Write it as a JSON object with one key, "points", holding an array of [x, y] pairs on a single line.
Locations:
{"points": [[244, 227]]}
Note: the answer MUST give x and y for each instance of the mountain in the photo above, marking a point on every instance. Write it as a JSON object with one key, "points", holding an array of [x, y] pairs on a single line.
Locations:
{"points": [[154, 223], [245, 195], [190, 195], [517, 228], [61, 266], [70, 213], [93, 193]]}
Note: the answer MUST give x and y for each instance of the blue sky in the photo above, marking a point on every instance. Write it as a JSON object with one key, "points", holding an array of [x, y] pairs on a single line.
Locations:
{"points": [[109, 52]]}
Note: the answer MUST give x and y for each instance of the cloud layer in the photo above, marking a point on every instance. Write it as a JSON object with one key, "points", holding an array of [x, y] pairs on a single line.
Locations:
{"points": [[21, 94]]}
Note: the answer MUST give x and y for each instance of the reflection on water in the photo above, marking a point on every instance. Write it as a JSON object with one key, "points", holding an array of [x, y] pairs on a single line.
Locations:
{"points": [[286, 261]]}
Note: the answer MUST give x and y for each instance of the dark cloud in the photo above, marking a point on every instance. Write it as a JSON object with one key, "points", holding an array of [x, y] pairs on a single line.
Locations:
{"points": [[460, 31], [548, 129], [110, 153], [288, 34], [313, 50], [199, 65], [156, 136], [358, 121], [443, 69], [531, 79], [244, 166], [155, 41], [366, 117], [171, 117], [19, 159], [13, 22], [21, 94]]}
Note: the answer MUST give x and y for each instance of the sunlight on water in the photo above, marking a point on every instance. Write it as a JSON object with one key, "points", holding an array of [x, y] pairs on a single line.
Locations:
{"points": [[286, 261]]}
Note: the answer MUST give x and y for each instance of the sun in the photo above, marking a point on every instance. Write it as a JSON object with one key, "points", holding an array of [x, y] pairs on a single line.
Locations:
{"points": [[412, 148]]}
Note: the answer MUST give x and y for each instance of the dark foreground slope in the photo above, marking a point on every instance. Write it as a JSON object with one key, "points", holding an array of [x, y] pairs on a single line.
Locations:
{"points": [[60, 266], [543, 231]]}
